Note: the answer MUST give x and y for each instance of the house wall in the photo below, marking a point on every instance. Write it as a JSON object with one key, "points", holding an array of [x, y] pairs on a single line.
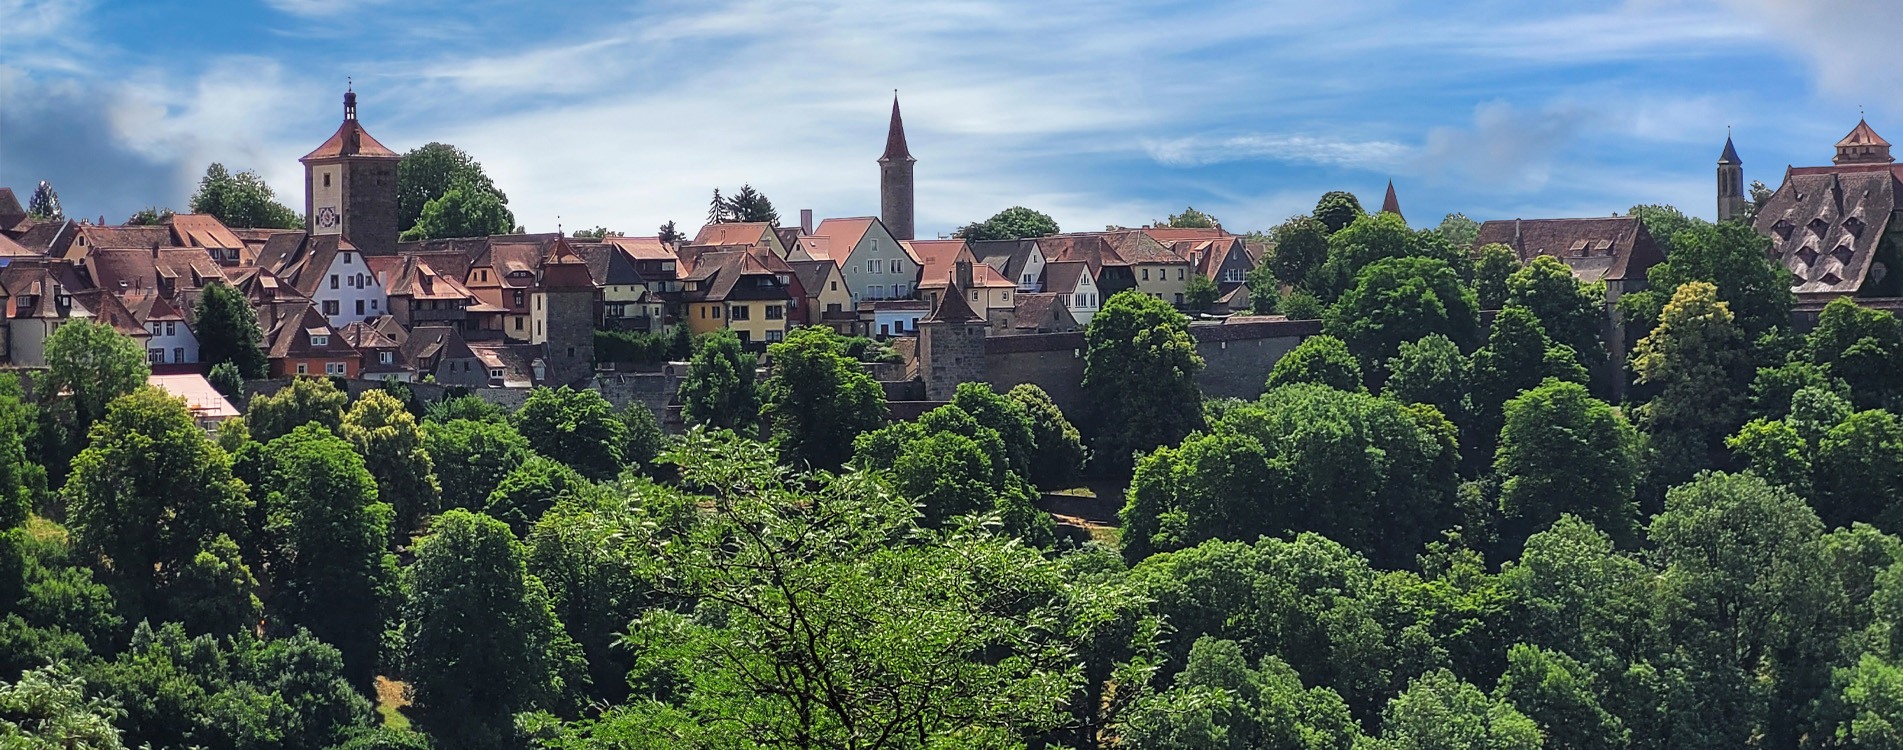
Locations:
{"points": [[287, 366], [354, 283], [181, 338], [1165, 281], [570, 333], [878, 250], [1085, 301], [757, 325], [26, 340]]}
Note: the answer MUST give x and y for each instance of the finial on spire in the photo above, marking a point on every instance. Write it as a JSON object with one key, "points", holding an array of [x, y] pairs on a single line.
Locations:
{"points": [[350, 99]]}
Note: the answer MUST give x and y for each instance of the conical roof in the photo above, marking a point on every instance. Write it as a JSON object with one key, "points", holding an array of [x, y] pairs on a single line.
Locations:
{"points": [[1861, 135], [1391, 204], [895, 149], [952, 308], [1730, 156], [351, 139]]}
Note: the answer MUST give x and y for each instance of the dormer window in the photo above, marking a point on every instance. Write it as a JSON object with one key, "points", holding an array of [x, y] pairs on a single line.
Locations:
{"points": [[1808, 254], [1855, 225], [1842, 253], [1783, 228], [386, 357], [320, 339], [1819, 227]]}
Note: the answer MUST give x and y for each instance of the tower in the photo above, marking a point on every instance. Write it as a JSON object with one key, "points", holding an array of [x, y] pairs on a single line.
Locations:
{"points": [[1863, 146], [1392, 204], [895, 179], [951, 341], [350, 187], [1730, 184]]}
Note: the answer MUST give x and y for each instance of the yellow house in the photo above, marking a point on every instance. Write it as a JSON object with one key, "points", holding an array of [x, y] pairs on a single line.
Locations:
{"points": [[828, 302], [988, 292], [737, 291], [1159, 271]]}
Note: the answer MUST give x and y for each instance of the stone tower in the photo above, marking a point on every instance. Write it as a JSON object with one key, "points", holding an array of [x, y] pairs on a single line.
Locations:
{"points": [[1731, 199], [567, 308], [895, 179], [350, 187], [951, 342]]}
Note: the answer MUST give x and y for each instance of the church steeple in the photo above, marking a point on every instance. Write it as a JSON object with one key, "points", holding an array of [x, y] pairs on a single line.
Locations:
{"points": [[1392, 204], [895, 178], [1731, 202]]}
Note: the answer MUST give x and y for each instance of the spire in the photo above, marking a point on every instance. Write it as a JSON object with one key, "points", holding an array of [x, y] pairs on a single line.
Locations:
{"points": [[1863, 146], [1730, 156], [1391, 204], [895, 149], [350, 102]]}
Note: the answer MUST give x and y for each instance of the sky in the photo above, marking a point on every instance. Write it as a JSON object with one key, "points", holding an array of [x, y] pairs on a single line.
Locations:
{"points": [[1098, 112]]}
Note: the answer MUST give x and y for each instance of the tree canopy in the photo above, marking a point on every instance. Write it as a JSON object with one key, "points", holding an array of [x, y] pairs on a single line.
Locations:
{"points": [[818, 399], [227, 331], [242, 200], [428, 172], [1016, 222], [462, 211], [1140, 366]]}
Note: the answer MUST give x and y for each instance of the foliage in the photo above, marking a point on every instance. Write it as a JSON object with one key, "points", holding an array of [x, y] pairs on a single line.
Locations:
{"points": [[1861, 472], [225, 379], [1016, 222], [391, 444], [1300, 305], [576, 427], [467, 406], [242, 200], [746, 205], [1518, 357], [18, 476], [1730, 256], [1460, 230], [462, 211], [1371, 238], [818, 400], [1430, 371], [1301, 246], [43, 205], [1664, 223], [482, 454], [1323, 360], [1200, 294], [149, 216], [1397, 300], [1057, 452], [1559, 694], [634, 347], [303, 401], [642, 438], [530, 490], [670, 235], [1337, 209], [1698, 359], [227, 331], [1562, 451], [1218, 701], [1493, 265], [1140, 366], [429, 172], [1190, 218], [1441, 712], [94, 364], [1861, 346], [595, 234], [50, 708], [1571, 312], [718, 390], [481, 642]]}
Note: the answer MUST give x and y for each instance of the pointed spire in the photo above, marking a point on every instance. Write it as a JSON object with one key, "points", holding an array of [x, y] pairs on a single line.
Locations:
{"points": [[1730, 156], [1391, 204], [895, 149]]}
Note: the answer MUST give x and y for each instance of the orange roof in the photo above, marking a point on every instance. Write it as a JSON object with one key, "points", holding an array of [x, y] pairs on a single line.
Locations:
{"points": [[203, 230], [733, 233], [642, 248], [350, 139], [1862, 135], [204, 401], [845, 234]]}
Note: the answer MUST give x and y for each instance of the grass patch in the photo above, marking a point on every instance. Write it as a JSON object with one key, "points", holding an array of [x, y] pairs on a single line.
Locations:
{"points": [[390, 703]]}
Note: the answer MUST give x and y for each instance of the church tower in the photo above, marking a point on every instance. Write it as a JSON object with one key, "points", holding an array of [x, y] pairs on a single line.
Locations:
{"points": [[895, 179], [1392, 204], [350, 187], [1731, 203]]}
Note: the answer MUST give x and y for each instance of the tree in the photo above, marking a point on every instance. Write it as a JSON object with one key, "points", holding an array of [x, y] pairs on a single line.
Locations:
{"points": [[1460, 230], [530, 490], [1863, 347], [669, 235], [594, 234], [1493, 265], [1016, 222], [1518, 357], [1190, 218], [751, 205], [1730, 256], [428, 172], [1441, 712], [1058, 452], [717, 209], [391, 444], [1140, 366], [818, 399], [225, 379], [1337, 209], [1323, 360], [148, 493], [466, 406], [1558, 694], [149, 216], [303, 401], [1862, 476], [1218, 701], [1430, 371], [462, 211], [1004, 415], [576, 427], [481, 642], [643, 441], [93, 363], [44, 204], [1563, 451], [50, 707], [242, 200], [1301, 246], [1572, 312], [323, 542], [1664, 223], [718, 390], [1698, 359], [1773, 450], [227, 330], [1201, 294], [20, 479], [482, 453], [1300, 305], [1264, 291], [1397, 300]]}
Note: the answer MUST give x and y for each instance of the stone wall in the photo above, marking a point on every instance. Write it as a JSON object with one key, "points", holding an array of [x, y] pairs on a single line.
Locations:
{"points": [[1239, 354], [1052, 361]]}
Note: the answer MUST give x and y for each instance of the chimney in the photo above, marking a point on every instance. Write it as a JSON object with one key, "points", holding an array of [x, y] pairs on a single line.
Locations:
{"points": [[962, 274], [806, 221]]}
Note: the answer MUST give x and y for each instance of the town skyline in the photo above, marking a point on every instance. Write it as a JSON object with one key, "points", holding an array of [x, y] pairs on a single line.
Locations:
{"points": [[595, 116]]}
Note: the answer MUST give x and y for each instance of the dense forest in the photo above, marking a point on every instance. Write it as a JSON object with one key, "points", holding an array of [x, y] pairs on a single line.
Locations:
{"points": [[1437, 529]]}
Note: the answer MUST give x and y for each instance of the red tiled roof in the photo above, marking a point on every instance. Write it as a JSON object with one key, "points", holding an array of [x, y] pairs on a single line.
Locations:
{"points": [[350, 140]]}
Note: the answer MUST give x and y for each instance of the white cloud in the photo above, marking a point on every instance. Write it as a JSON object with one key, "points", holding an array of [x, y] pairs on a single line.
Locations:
{"points": [[1852, 42], [1304, 149], [321, 8], [233, 113]]}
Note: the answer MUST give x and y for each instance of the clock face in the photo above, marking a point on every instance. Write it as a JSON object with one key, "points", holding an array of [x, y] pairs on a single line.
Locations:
{"points": [[327, 218]]}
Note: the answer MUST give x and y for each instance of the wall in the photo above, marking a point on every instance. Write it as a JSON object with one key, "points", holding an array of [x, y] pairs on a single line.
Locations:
{"points": [[1052, 361], [1238, 356]]}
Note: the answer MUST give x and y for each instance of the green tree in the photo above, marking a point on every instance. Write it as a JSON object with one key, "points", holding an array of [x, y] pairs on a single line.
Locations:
{"points": [[576, 427], [481, 641], [1140, 366], [1265, 293], [482, 454], [149, 216], [50, 708], [1058, 453], [1201, 294], [1773, 450], [225, 379], [428, 172], [1012, 423], [1324, 360], [1698, 359], [462, 211], [20, 479], [642, 438], [148, 493], [1572, 312], [227, 330], [948, 473], [1863, 347], [1430, 371], [597, 233], [323, 543], [1730, 256], [1559, 694], [1664, 223], [1218, 701], [303, 401], [391, 444], [242, 200], [1441, 712], [1397, 300], [467, 406], [1338, 209], [94, 364], [1460, 230], [818, 399], [43, 205], [1862, 472], [530, 490], [751, 205], [215, 593], [1518, 357], [1493, 265], [1300, 305], [1773, 387], [1016, 222], [1301, 246], [718, 390], [1563, 451], [1190, 218], [670, 235]]}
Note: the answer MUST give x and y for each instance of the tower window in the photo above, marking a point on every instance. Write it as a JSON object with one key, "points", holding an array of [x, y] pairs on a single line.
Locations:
{"points": [[326, 179]]}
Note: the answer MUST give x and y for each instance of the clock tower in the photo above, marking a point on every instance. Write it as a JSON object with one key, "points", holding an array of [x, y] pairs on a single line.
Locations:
{"points": [[350, 187]]}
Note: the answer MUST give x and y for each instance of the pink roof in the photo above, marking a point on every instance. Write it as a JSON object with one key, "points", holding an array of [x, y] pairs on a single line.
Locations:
{"points": [[204, 401], [734, 233], [845, 234]]}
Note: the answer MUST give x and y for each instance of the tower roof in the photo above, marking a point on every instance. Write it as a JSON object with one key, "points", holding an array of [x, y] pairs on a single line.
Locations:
{"points": [[1730, 156], [895, 149], [350, 138], [952, 308], [1391, 204], [1861, 135], [1863, 146]]}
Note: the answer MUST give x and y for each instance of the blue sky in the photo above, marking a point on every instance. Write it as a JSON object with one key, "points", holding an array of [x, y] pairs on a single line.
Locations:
{"points": [[629, 114]]}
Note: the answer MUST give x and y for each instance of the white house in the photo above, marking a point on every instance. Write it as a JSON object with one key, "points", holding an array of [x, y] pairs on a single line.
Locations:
{"points": [[874, 264]]}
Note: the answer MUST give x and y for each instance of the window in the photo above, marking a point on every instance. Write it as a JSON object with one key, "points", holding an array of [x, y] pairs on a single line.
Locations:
{"points": [[334, 368], [1026, 281], [346, 259], [518, 298], [717, 312], [538, 303], [326, 184], [884, 329], [775, 312], [495, 373], [1146, 274], [320, 339], [155, 356], [745, 337], [1179, 299], [171, 329], [1080, 300], [898, 290], [178, 354], [373, 305], [330, 307], [571, 352], [896, 267], [1007, 296], [359, 307], [835, 286], [872, 266], [303, 369], [974, 295], [386, 357], [1232, 275], [1179, 273], [333, 281], [739, 312], [518, 322], [775, 335]]}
